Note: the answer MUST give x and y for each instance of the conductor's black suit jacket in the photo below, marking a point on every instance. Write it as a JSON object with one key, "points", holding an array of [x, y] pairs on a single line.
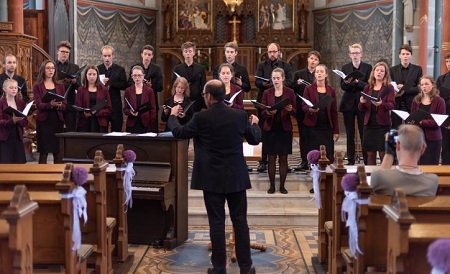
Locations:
{"points": [[218, 132]]}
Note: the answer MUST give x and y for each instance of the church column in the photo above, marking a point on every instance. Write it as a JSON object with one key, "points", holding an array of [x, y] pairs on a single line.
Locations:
{"points": [[397, 38], [445, 32], [437, 38], [15, 14], [423, 30]]}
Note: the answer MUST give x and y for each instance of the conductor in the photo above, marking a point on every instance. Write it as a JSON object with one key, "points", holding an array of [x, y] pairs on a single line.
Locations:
{"points": [[220, 170]]}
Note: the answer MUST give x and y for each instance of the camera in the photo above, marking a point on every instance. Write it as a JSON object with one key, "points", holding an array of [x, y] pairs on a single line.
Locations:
{"points": [[391, 141]]}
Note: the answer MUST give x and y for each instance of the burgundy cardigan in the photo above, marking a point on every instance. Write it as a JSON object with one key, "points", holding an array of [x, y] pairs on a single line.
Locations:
{"points": [[383, 113], [238, 102], [82, 100], [430, 128], [39, 91], [147, 95], [268, 99], [312, 95], [6, 121]]}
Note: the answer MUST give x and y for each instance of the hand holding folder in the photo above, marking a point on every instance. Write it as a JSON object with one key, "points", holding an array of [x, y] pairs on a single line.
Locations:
{"points": [[232, 98], [413, 118], [280, 105], [97, 107], [322, 104], [12, 111]]}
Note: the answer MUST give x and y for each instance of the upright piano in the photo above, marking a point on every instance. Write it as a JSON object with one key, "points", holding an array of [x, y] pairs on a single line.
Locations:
{"points": [[159, 212]]}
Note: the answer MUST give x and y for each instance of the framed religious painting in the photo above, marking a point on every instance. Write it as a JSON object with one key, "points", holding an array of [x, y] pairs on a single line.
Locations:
{"points": [[194, 15], [276, 15]]}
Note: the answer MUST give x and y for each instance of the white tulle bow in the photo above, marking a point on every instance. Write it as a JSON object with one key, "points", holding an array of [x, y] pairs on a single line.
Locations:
{"points": [[127, 179], [349, 207], [315, 174], [79, 203]]}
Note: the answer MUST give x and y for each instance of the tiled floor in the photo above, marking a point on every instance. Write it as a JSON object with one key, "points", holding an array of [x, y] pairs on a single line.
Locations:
{"points": [[289, 250]]}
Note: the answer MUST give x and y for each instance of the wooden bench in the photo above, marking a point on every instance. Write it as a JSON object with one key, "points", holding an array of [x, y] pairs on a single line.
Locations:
{"points": [[373, 225], [407, 240], [98, 230], [55, 215], [114, 193], [332, 189], [16, 233]]}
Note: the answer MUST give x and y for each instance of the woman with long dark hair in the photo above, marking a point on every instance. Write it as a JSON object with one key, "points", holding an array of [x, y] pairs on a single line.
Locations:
{"points": [[94, 96], [49, 117]]}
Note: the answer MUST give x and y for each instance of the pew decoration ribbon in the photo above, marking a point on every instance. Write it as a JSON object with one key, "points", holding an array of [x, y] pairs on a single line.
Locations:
{"points": [[438, 256], [129, 157], [348, 212], [79, 177], [313, 160]]}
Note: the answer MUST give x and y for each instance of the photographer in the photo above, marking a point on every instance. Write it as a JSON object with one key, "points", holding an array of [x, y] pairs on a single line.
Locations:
{"points": [[408, 144]]}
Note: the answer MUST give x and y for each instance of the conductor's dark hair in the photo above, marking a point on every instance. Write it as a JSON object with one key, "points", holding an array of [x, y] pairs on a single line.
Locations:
{"points": [[216, 88]]}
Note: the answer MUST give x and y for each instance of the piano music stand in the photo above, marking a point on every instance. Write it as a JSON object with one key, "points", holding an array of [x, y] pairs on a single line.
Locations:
{"points": [[231, 243]]}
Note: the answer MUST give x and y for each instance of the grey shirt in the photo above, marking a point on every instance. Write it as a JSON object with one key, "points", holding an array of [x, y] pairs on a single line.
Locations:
{"points": [[385, 181]]}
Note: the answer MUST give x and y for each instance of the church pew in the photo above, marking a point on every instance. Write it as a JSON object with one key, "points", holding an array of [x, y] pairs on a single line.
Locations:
{"points": [[408, 241], [324, 213], [114, 193], [98, 229], [333, 190], [372, 225], [16, 233], [55, 215]]}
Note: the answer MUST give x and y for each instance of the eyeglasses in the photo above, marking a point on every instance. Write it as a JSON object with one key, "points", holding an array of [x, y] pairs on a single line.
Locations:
{"points": [[137, 75], [180, 87], [64, 51], [272, 51], [355, 53], [203, 94]]}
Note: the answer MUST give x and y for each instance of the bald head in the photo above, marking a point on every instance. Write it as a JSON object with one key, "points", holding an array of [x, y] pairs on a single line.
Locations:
{"points": [[216, 88]]}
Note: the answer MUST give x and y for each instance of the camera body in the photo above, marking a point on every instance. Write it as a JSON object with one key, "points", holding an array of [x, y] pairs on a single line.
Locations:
{"points": [[391, 141]]}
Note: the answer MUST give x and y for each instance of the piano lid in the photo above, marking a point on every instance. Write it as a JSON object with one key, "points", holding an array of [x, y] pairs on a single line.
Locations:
{"points": [[152, 172]]}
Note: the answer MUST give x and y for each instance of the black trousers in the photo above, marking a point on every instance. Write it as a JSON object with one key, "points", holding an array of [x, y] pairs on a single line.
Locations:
{"points": [[70, 120], [300, 116], [215, 207], [349, 122], [432, 153]]}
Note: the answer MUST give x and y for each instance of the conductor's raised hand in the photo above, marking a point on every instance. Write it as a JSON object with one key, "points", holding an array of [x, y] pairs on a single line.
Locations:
{"points": [[362, 100], [176, 110], [253, 119]]}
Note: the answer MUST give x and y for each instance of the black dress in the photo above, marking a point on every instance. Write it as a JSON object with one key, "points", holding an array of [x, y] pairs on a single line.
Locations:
{"points": [[277, 141], [11, 150], [373, 132], [46, 131], [321, 133], [92, 122], [138, 126]]}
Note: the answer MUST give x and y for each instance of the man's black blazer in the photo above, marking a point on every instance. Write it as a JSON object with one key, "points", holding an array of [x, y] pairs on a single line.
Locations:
{"points": [[410, 85], [352, 91], [218, 132]]}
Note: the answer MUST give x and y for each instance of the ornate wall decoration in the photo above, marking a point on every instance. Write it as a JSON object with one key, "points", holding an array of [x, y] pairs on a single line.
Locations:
{"points": [[368, 24], [126, 29]]}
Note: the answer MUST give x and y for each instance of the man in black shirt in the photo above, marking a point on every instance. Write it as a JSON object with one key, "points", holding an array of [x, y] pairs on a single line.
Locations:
{"points": [[303, 78], [115, 80], [68, 73], [194, 73], [9, 68], [153, 76], [240, 72]]}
